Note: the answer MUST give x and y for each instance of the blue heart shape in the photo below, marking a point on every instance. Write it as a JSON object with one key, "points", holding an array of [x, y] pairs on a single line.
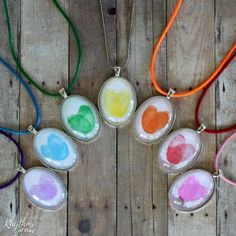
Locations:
{"points": [[55, 149]]}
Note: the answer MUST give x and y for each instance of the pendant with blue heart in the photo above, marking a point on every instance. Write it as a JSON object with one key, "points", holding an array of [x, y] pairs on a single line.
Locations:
{"points": [[55, 149]]}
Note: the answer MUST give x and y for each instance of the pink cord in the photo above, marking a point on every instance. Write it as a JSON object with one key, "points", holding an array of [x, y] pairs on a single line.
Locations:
{"points": [[218, 157]]}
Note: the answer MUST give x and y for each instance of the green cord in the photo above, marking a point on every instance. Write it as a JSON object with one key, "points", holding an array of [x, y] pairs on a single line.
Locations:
{"points": [[14, 55]]}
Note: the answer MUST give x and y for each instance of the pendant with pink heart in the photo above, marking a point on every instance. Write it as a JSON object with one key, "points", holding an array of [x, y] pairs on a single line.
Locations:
{"points": [[178, 150], [192, 190]]}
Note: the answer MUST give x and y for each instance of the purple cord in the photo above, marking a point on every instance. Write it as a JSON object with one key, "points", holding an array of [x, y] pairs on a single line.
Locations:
{"points": [[10, 182]]}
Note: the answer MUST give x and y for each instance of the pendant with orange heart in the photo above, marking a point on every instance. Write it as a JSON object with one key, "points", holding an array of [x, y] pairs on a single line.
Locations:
{"points": [[154, 120]]}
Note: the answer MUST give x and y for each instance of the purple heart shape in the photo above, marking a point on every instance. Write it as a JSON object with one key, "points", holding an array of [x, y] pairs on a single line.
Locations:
{"points": [[46, 189]]}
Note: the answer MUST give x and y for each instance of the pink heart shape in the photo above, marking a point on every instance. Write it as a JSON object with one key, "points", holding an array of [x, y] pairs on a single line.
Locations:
{"points": [[192, 190], [178, 150]]}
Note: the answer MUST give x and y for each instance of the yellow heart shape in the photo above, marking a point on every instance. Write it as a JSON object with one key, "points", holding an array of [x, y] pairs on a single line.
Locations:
{"points": [[117, 103]]}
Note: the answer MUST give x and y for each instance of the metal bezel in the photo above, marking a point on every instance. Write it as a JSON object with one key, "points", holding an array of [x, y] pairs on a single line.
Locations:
{"points": [[134, 108], [55, 169], [99, 120], [59, 177], [183, 169], [200, 207], [168, 130]]}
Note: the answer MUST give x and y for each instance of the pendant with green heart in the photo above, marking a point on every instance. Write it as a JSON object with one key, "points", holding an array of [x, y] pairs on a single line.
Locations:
{"points": [[80, 117]]}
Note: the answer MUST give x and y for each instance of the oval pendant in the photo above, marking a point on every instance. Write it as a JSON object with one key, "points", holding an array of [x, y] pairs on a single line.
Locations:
{"points": [[191, 190], [80, 118], [55, 149], [154, 119], [117, 101], [180, 150], [44, 188]]}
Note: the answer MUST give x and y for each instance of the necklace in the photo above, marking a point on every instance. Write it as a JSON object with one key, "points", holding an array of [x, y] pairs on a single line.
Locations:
{"points": [[194, 188], [117, 98], [23, 71], [78, 115], [31, 95], [53, 147], [231, 56], [43, 187], [182, 148], [22, 161], [156, 116]]}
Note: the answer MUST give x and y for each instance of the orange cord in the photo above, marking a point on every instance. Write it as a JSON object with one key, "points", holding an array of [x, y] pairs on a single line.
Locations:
{"points": [[155, 53]]}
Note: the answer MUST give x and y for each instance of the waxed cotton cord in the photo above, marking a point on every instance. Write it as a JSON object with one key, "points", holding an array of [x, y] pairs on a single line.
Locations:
{"points": [[218, 158], [23, 71], [33, 98], [10, 182], [197, 119], [155, 53]]}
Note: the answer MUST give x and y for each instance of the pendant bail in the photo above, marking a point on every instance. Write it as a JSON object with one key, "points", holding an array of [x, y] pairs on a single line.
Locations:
{"points": [[218, 173], [201, 128], [32, 130], [63, 93], [117, 70], [21, 169], [171, 92]]}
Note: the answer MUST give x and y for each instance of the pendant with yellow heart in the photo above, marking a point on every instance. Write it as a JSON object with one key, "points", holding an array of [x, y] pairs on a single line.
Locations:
{"points": [[117, 101]]}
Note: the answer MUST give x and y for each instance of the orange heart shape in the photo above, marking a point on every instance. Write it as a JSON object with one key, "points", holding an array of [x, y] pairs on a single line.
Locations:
{"points": [[154, 120]]}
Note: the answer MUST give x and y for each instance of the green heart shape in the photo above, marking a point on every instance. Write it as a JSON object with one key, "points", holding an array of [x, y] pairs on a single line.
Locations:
{"points": [[83, 121]]}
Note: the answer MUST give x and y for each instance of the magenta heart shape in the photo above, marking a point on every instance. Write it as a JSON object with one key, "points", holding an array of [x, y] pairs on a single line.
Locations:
{"points": [[192, 190], [46, 188], [178, 150]]}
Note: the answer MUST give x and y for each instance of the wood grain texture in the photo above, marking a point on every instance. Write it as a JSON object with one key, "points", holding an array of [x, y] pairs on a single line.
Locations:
{"points": [[118, 188], [190, 60], [92, 186], [136, 162], [44, 54], [9, 110], [225, 37], [160, 179]]}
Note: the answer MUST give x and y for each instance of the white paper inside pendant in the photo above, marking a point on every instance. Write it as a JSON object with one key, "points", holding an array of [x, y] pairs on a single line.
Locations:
{"points": [[154, 119], [191, 190], [80, 118], [44, 188], [180, 150], [117, 101], [55, 149]]}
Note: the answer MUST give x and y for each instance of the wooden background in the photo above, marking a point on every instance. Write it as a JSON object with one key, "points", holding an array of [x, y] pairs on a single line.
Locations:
{"points": [[118, 188]]}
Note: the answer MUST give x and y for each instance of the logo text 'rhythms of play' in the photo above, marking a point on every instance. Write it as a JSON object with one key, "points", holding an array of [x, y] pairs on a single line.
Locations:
{"points": [[22, 226]]}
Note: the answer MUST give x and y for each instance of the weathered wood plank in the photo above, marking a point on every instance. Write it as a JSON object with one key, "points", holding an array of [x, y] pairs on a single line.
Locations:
{"points": [[44, 54], [9, 110], [190, 60], [118, 187], [92, 198], [225, 37], [160, 179], [135, 160]]}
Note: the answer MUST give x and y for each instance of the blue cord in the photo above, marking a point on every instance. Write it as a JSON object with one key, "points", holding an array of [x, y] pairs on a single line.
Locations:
{"points": [[33, 98]]}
